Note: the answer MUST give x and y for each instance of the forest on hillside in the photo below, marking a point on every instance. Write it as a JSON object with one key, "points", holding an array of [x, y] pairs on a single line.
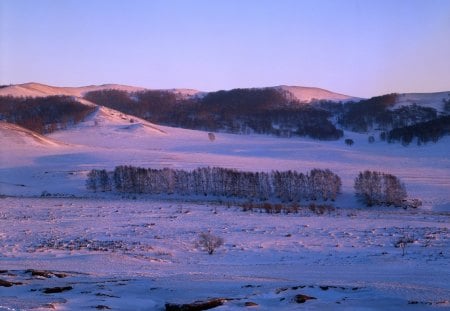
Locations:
{"points": [[43, 114], [274, 111], [241, 111]]}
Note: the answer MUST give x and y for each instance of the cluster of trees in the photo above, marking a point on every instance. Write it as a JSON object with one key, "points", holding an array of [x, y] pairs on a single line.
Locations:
{"points": [[287, 186], [99, 180], [43, 114], [424, 132], [377, 113], [377, 188], [242, 111], [361, 116]]}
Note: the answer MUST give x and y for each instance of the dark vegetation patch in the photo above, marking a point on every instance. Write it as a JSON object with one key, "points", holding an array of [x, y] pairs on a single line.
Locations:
{"points": [[4, 283], [90, 245], [259, 110], [300, 298], [56, 290], [423, 132], [195, 306], [43, 114], [46, 273], [285, 186]]}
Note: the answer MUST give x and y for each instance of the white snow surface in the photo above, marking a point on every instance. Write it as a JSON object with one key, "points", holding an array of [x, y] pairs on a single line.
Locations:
{"points": [[141, 254]]}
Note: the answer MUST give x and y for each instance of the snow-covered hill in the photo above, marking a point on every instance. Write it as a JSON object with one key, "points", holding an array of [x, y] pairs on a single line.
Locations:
{"points": [[41, 90], [309, 94], [432, 100], [303, 94], [13, 136]]}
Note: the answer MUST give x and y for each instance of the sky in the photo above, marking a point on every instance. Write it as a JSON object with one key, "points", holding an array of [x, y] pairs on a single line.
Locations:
{"points": [[356, 47]]}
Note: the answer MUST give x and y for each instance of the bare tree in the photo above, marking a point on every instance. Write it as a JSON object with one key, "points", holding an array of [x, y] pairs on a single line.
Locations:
{"points": [[209, 242]]}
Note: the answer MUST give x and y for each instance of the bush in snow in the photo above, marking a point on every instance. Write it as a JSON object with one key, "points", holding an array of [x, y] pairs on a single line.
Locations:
{"points": [[403, 242], [209, 242], [349, 142]]}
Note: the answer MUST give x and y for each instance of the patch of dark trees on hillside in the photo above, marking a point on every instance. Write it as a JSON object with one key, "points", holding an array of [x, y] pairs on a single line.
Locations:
{"points": [[424, 132], [286, 186], [242, 111], [377, 113], [43, 114]]}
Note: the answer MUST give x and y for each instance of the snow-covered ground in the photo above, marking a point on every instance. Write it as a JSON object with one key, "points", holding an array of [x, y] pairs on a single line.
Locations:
{"points": [[141, 254]]}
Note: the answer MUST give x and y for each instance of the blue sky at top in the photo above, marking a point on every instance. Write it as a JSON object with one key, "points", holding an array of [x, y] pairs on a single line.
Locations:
{"points": [[361, 48]]}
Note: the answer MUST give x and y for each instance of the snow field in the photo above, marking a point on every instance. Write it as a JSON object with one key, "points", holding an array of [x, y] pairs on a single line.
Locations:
{"points": [[149, 247]]}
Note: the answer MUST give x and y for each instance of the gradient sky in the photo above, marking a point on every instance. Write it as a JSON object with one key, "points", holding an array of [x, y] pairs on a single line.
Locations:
{"points": [[361, 48]]}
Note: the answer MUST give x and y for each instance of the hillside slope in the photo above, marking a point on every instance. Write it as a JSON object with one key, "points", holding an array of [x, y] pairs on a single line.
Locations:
{"points": [[432, 100], [309, 94]]}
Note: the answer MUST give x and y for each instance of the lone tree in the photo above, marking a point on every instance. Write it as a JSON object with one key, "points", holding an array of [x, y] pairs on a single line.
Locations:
{"points": [[209, 242], [376, 188]]}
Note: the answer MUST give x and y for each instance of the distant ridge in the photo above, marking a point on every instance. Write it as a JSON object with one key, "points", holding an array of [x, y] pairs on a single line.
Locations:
{"points": [[310, 94], [33, 89]]}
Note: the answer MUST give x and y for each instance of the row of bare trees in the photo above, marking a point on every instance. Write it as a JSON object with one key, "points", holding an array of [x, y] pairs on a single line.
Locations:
{"points": [[287, 186]]}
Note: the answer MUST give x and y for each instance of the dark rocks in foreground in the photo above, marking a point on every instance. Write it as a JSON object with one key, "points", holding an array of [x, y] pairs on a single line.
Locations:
{"points": [[300, 298], [55, 290], [195, 306], [5, 283]]}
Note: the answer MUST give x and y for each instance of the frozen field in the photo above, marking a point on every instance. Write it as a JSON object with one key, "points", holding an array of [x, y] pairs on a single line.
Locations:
{"points": [[141, 254]]}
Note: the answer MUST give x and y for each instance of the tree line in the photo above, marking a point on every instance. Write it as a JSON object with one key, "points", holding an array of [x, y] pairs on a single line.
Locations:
{"points": [[371, 187], [378, 113], [287, 186], [43, 114], [242, 111], [424, 132]]}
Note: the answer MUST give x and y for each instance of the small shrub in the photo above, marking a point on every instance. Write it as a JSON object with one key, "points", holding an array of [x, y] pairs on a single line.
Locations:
{"points": [[403, 242], [349, 142], [209, 242]]}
